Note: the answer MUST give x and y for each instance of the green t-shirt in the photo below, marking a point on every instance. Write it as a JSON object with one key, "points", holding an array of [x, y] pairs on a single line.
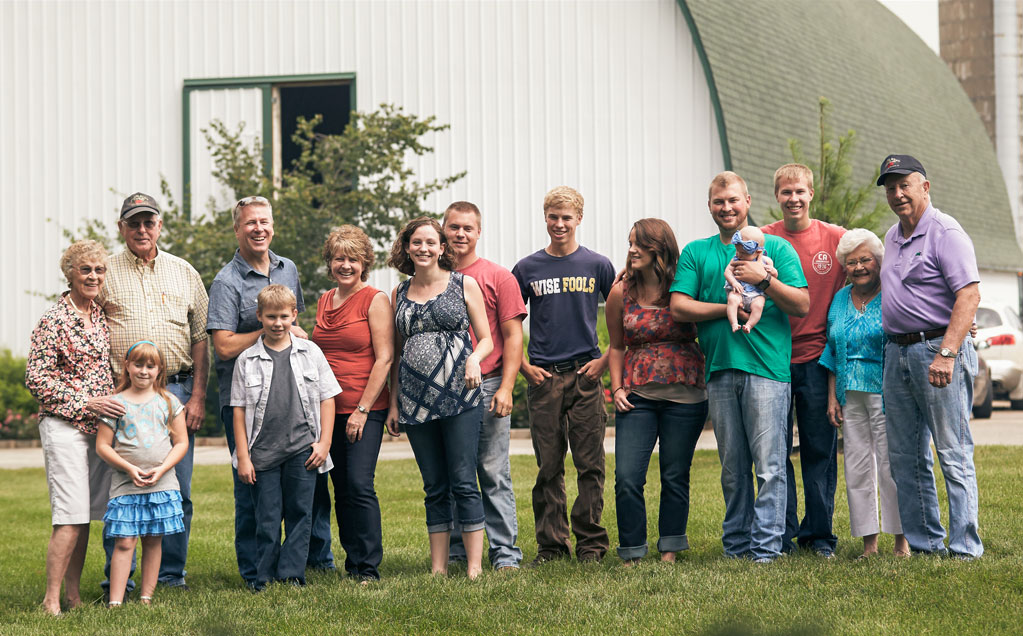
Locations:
{"points": [[766, 351]]}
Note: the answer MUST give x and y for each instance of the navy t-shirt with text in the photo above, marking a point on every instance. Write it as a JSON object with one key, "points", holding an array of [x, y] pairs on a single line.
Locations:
{"points": [[563, 293]]}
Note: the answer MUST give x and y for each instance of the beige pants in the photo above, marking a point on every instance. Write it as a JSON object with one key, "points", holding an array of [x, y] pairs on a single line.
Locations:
{"points": [[79, 480], [866, 466]]}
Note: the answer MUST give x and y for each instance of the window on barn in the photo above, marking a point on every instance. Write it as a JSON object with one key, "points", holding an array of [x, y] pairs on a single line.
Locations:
{"points": [[333, 101]]}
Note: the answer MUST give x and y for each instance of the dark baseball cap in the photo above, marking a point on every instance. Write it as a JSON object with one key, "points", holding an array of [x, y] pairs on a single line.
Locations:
{"points": [[899, 164], [138, 203]]}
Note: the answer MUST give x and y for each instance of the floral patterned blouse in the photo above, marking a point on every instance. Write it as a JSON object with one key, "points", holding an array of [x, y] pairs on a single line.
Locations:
{"points": [[68, 364], [659, 349]]}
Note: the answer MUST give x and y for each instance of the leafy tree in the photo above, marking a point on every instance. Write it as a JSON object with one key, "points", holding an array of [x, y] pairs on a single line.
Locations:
{"points": [[835, 199]]}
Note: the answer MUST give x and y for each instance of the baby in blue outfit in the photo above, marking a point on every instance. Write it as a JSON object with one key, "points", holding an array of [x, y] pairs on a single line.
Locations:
{"points": [[749, 246]]}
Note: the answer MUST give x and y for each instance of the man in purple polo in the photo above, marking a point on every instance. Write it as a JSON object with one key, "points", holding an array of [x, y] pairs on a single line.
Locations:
{"points": [[930, 282]]}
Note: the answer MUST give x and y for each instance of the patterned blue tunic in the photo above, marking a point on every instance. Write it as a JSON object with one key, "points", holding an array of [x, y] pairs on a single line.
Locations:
{"points": [[431, 373], [855, 347]]}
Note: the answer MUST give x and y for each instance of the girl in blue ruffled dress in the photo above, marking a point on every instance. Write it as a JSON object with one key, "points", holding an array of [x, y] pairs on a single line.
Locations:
{"points": [[143, 445]]}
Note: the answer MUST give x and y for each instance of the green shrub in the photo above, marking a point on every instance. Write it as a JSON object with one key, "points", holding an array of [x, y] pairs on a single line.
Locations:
{"points": [[17, 406]]}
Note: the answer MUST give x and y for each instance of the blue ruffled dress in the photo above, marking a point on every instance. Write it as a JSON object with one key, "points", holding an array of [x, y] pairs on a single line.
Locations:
{"points": [[142, 437]]}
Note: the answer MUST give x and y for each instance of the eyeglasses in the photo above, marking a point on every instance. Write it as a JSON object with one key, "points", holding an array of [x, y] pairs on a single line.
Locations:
{"points": [[85, 270], [866, 260], [134, 225]]}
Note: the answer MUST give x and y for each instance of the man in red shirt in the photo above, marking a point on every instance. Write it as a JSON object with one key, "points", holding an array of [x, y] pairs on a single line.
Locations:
{"points": [[815, 242], [505, 311]]}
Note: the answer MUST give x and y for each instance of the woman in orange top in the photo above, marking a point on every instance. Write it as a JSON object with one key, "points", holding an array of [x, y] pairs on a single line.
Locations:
{"points": [[355, 330]]}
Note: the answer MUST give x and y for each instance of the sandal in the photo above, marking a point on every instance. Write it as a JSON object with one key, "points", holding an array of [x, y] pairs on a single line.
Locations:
{"points": [[146, 600], [114, 604]]}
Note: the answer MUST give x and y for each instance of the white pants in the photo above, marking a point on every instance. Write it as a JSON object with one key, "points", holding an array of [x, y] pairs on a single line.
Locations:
{"points": [[866, 466], [79, 480]]}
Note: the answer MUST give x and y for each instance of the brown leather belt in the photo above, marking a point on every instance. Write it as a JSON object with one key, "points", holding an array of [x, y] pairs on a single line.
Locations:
{"points": [[913, 338], [496, 373]]}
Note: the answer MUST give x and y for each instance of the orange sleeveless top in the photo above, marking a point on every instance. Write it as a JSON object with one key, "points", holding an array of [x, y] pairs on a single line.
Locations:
{"points": [[344, 337]]}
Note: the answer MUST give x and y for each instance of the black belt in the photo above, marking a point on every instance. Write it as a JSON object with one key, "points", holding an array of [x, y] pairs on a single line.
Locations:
{"points": [[566, 365], [918, 336], [180, 377]]}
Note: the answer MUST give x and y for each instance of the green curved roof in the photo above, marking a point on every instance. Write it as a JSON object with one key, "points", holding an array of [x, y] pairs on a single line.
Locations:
{"points": [[768, 62]]}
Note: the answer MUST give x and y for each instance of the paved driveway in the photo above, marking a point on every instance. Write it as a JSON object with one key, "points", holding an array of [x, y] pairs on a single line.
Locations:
{"points": [[1005, 427]]}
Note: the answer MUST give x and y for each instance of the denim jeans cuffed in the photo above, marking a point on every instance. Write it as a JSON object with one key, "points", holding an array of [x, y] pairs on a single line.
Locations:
{"points": [[818, 460], [748, 412], [284, 492], [677, 427], [355, 499], [445, 451], [493, 468], [916, 414]]}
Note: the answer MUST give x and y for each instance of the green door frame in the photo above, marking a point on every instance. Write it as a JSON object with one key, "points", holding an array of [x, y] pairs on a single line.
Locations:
{"points": [[265, 83]]}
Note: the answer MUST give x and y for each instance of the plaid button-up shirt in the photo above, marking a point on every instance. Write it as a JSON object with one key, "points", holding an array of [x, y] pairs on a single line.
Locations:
{"points": [[163, 300]]}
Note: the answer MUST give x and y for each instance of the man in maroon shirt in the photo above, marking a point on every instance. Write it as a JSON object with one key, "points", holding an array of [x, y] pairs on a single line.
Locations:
{"points": [[815, 242]]}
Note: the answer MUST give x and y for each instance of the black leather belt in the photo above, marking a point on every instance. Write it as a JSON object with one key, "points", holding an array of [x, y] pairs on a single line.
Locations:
{"points": [[566, 365], [179, 378], [918, 336]]}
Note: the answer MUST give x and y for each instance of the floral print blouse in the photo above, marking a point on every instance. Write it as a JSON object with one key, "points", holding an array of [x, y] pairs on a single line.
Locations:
{"points": [[68, 364], [659, 349]]}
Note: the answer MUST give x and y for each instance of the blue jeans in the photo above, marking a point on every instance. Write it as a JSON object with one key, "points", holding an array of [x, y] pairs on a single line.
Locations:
{"points": [[494, 470], [245, 516], [287, 561], [174, 546], [748, 412], [355, 498], [818, 458], [445, 450], [916, 414], [678, 427]]}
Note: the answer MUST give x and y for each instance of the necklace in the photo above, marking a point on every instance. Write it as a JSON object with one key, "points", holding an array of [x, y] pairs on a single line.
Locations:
{"points": [[83, 312], [864, 299]]}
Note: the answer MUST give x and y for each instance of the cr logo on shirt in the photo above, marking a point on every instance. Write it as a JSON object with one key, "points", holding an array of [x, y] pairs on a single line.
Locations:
{"points": [[822, 262]]}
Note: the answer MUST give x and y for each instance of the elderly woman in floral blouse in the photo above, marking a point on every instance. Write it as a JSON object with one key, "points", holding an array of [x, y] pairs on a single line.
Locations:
{"points": [[69, 374]]}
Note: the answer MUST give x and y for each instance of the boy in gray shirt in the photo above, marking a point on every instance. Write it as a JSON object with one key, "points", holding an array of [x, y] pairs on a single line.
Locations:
{"points": [[283, 397]]}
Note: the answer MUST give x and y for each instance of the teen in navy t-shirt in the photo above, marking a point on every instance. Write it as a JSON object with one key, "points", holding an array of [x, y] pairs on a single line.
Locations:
{"points": [[563, 284]]}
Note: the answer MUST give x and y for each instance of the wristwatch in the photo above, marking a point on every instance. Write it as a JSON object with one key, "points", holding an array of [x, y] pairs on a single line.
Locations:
{"points": [[764, 284], [947, 353], [362, 409]]}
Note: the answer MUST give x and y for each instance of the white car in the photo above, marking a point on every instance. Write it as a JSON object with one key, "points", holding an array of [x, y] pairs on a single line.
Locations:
{"points": [[1000, 343]]}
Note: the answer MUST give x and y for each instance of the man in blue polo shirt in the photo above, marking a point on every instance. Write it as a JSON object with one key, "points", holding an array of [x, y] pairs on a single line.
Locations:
{"points": [[930, 281], [233, 325], [748, 375]]}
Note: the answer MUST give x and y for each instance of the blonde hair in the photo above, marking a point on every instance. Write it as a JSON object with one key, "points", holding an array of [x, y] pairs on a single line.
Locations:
{"points": [[350, 241], [236, 213], [793, 172], [78, 252], [752, 233], [725, 179], [562, 197], [275, 296], [147, 353]]}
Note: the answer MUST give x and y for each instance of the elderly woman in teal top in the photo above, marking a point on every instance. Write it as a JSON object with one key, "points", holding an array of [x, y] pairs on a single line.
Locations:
{"points": [[853, 355]]}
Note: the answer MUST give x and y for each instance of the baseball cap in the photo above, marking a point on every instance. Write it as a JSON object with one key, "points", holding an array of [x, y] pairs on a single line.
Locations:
{"points": [[137, 203], [899, 164]]}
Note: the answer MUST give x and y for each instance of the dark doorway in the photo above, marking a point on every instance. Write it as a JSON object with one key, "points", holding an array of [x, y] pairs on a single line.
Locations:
{"points": [[333, 101]]}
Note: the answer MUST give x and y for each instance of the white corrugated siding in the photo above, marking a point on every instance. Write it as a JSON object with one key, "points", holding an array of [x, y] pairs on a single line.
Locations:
{"points": [[608, 97]]}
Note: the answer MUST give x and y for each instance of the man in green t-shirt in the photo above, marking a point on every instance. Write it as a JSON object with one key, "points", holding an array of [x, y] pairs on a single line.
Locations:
{"points": [[747, 374]]}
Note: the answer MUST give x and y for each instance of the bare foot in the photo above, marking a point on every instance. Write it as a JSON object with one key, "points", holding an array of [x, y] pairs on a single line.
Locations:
{"points": [[746, 328], [668, 557], [735, 328], [630, 563], [51, 609], [474, 573], [439, 572]]}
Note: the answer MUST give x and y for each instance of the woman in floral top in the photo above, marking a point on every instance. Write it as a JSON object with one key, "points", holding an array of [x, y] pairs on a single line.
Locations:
{"points": [[68, 372], [659, 393]]}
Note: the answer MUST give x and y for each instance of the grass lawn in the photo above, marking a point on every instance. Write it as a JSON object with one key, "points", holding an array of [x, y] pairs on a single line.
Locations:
{"points": [[702, 594]]}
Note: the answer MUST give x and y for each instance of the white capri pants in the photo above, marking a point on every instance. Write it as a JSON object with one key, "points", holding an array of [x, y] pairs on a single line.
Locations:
{"points": [[866, 466], [79, 480]]}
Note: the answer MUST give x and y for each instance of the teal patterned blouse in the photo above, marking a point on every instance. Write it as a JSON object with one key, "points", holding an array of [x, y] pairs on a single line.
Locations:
{"points": [[855, 345]]}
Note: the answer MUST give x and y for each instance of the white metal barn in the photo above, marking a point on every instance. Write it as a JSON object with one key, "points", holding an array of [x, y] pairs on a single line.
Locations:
{"points": [[636, 103], [608, 97]]}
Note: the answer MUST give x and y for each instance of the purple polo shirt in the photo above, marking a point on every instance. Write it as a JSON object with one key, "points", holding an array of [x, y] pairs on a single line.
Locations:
{"points": [[920, 275]]}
